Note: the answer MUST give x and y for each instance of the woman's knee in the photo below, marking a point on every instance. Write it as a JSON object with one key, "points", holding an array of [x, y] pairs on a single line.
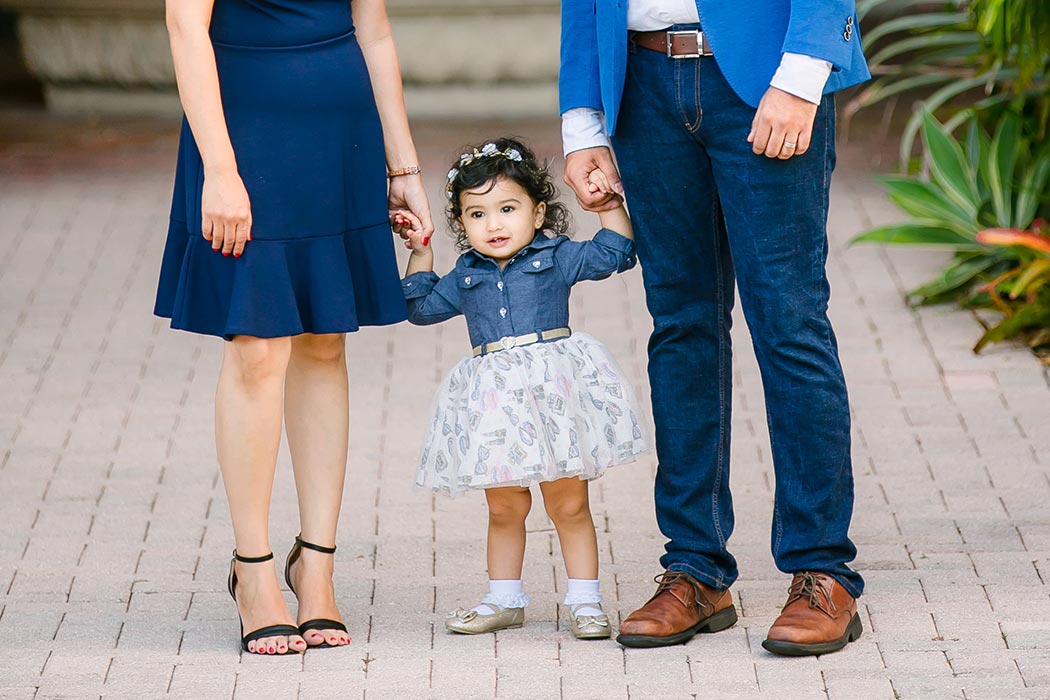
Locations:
{"points": [[258, 359], [329, 347], [508, 506]]}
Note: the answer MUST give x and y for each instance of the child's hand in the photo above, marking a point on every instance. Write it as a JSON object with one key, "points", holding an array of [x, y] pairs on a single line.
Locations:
{"points": [[597, 182], [407, 225]]}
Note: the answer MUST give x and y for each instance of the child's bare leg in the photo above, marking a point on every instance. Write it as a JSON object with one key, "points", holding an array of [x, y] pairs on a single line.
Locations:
{"points": [[569, 507], [508, 508]]}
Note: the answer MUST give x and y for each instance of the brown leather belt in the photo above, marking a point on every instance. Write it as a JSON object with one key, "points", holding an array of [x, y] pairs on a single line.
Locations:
{"points": [[680, 44]]}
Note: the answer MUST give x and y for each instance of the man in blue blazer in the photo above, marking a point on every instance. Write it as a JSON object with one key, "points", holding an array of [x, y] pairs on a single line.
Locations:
{"points": [[722, 121]]}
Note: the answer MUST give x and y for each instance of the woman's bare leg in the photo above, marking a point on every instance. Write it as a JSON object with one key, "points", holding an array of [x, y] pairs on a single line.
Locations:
{"points": [[317, 418], [247, 435]]}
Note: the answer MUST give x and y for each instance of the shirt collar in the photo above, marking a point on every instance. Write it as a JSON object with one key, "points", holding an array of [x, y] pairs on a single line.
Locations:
{"points": [[538, 242]]}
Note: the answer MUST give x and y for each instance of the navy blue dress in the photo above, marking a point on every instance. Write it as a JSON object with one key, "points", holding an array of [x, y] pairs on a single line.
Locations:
{"points": [[309, 146]]}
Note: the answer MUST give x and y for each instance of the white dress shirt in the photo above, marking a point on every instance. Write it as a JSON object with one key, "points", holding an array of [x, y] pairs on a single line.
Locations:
{"points": [[800, 75]]}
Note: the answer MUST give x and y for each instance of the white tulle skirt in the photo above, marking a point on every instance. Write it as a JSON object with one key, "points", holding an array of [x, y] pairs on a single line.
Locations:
{"points": [[530, 414]]}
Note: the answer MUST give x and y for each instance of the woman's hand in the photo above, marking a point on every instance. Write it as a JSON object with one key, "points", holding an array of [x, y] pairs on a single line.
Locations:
{"points": [[226, 211], [407, 193]]}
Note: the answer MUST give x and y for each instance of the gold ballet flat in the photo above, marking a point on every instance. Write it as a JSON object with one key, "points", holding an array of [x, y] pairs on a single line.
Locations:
{"points": [[589, 626], [471, 622]]}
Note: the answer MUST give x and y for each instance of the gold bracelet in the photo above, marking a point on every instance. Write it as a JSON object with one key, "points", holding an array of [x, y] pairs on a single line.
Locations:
{"points": [[410, 170]]}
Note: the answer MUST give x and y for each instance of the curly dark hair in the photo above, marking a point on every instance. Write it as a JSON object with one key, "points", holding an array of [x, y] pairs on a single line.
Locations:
{"points": [[533, 176]]}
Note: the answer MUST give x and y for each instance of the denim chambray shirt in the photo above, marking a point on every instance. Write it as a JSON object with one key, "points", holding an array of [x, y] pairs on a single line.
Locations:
{"points": [[531, 292]]}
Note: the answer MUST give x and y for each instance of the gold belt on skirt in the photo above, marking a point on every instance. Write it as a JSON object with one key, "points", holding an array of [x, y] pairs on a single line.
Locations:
{"points": [[510, 341]]}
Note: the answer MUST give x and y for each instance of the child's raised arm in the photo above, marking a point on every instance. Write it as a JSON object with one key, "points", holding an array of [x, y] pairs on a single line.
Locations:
{"points": [[615, 220]]}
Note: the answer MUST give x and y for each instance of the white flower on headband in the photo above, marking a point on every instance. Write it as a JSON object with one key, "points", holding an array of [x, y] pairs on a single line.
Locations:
{"points": [[488, 149], [452, 174], [513, 154]]}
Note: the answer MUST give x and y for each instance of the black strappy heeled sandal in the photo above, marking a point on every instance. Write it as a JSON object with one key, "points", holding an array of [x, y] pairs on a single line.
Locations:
{"points": [[319, 623], [262, 632]]}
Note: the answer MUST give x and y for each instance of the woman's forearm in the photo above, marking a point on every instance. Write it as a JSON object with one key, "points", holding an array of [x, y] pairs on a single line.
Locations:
{"points": [[198, 81], [377, 45]]}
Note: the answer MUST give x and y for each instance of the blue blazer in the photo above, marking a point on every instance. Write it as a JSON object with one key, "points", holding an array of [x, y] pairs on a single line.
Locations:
{"points": [[748, 39]]}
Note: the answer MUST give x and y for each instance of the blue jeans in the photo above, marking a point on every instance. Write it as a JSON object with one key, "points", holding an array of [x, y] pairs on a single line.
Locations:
{"points": [[708, 212]]}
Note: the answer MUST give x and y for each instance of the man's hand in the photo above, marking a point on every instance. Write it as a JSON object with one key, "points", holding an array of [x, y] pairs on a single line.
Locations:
{"points": [[578, 168], [782, 126]]}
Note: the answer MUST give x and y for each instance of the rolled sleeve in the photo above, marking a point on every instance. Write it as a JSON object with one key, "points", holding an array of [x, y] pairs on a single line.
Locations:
{"points": [[596, 259], [431, 299]]}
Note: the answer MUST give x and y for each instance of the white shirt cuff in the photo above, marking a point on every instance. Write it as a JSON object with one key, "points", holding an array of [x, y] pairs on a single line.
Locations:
{"points": [[583, 127], [802, 76]]}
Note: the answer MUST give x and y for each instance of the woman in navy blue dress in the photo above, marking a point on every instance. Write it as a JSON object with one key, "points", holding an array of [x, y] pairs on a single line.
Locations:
{"points": [[294, 150]]}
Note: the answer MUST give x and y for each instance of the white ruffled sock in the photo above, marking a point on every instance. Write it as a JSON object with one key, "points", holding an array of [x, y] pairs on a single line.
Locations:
{"points": [[582, 591], [506, 593]]}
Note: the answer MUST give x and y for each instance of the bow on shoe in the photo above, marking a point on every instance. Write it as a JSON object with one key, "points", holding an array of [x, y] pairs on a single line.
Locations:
{"points": [[600, 620], [464, 615]]}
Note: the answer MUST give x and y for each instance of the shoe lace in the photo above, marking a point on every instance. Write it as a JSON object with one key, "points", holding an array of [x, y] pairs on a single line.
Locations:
{"points": [[808, 585], [666, 582]]}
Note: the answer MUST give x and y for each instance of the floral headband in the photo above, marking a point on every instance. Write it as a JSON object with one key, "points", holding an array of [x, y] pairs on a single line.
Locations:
{"points": [[487, 151]]}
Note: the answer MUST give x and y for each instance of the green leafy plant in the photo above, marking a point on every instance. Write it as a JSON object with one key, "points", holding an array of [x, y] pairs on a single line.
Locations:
{"points": [[996, 51], [981, 199], [1023, 292]]}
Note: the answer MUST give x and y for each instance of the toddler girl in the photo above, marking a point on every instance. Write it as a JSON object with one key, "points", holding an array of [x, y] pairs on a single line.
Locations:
{"points": [[537, 402]]}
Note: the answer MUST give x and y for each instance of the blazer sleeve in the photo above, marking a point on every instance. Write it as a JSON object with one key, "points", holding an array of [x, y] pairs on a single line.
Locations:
{"points": [[823, 29], [579, 84]]}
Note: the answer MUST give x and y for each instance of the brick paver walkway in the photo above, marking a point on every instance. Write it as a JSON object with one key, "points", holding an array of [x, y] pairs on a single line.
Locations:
{"points": [[115, 532]]}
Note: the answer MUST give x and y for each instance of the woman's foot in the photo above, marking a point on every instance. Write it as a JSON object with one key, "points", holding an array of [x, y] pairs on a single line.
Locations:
{"points": [[311, 580], [259, 604]]}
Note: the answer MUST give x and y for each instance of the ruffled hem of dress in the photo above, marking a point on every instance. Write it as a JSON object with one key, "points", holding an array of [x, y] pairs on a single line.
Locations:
{"points": [[279, 288], [533, 481]]}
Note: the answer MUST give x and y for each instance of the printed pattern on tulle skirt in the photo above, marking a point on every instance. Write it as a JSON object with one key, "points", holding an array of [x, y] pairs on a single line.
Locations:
{"points": [[531, 414]]}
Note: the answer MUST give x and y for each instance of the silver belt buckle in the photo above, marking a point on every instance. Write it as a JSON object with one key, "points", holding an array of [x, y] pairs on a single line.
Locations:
{"points": [[508, 342], [699, 43]]}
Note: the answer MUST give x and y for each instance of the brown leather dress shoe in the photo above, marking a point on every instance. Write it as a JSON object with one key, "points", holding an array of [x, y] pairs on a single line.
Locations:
{"points": [[681, 608], [819, 617]]}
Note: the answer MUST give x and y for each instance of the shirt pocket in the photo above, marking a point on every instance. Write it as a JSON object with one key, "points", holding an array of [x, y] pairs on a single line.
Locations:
{"points": [[539, 263], [475, 290]]}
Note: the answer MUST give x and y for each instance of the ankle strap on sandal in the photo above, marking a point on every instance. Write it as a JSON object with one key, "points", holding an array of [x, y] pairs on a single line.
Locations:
{"points": [[252, 560], [310, 545]]}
